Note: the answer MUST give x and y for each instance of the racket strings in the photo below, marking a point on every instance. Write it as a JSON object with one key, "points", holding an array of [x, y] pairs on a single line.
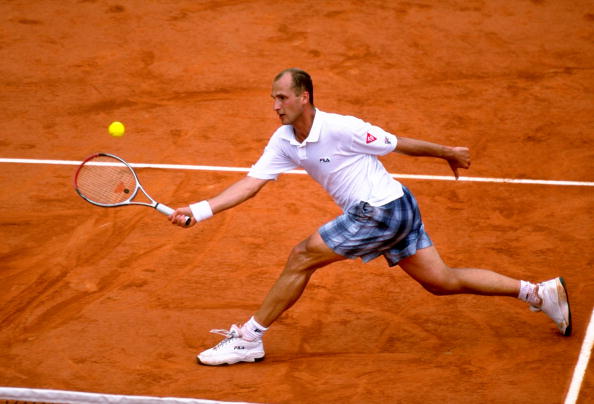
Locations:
{"points": [[106, 180]]}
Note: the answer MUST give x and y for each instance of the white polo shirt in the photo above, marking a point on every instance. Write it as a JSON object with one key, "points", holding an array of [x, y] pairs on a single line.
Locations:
{"points": [[340, 153]]}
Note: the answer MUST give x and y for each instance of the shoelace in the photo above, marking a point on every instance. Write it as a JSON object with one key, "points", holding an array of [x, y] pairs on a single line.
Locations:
{"points": [[228, 334]]}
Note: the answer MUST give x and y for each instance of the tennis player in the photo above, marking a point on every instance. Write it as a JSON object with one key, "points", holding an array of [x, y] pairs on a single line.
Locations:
{"points": [[381, 216]]}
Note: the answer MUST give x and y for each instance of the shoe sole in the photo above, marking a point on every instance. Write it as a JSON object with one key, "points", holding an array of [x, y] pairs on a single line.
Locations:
{"points": [[567, 332], [227, 364]]}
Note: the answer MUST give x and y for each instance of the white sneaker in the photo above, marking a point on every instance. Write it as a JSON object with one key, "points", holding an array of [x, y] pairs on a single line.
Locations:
{"points": [[555, 304], [232, 349]]}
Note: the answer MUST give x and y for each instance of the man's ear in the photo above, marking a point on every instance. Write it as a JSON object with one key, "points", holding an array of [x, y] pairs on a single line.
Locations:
{"points": [[305, 97]]}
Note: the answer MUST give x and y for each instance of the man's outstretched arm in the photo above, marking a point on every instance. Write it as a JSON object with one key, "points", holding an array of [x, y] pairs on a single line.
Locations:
{"points": [[239, 192], [457, 157]]}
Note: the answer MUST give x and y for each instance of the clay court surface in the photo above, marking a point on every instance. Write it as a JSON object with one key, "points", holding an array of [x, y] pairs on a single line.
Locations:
{"points": [[119, 301]]}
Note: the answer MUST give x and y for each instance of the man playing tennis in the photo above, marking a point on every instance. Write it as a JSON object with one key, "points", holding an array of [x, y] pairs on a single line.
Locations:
{"points": [[381, 216]]}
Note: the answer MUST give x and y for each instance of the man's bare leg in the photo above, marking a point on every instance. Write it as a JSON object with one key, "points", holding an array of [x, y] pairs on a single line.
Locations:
{"points": [[427, 268], [305, 258], [244, 344]]}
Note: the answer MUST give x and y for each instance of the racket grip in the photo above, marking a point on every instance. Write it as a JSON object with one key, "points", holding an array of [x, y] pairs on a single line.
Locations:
{"points": [[166, 210]]}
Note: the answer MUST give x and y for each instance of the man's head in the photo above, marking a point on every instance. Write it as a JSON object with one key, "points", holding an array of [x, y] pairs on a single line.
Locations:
{"points": [[301, 82], [292, 91]]}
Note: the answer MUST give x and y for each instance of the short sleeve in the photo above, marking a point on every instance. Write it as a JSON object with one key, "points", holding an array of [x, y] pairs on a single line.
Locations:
{"points": [[370, 139], [272, 162]]}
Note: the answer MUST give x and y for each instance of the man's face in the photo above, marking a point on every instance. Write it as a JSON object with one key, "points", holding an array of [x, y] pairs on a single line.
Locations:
{"points": [[288, 105]]}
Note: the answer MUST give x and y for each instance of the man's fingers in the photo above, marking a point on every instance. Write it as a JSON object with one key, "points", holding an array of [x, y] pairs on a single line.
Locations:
{"points": [[180, 218], [454, 168]]}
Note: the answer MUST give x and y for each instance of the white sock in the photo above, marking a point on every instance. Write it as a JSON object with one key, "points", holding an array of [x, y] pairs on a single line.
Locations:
{"points": [[252, 330], [528, 293]]}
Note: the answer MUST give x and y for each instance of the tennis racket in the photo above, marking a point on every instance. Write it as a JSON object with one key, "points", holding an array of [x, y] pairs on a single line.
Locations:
{"points": [[108, 181]]}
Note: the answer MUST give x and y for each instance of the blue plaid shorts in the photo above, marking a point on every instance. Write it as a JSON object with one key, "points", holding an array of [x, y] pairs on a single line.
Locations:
{"points": [[394, 230]]}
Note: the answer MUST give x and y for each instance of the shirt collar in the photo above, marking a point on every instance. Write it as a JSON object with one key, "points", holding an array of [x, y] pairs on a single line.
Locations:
{"points": [[314, 132]]}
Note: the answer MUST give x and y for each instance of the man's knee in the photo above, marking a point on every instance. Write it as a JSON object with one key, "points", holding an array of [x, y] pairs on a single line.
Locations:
{"points": [[300, 258], [298, 253], [311, 254], [437, 289], [446, 283]]}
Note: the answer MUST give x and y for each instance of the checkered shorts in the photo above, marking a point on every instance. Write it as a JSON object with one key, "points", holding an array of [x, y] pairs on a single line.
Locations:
{"points": [[394, 230]]}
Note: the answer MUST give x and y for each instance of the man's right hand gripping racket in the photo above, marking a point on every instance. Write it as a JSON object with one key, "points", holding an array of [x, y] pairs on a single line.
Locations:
{"points": [[108, 181]]}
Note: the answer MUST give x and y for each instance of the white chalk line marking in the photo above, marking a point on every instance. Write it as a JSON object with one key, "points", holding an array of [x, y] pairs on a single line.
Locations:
{"points": [[78, 397], [243, 169], [582, 364]]}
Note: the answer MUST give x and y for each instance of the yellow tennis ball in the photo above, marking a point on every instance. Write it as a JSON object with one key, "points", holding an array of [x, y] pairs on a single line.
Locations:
{"points": [[116, 129]]}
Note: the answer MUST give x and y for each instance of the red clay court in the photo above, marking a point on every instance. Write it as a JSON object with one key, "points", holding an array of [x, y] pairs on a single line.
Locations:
{"points": [[118, 301]]}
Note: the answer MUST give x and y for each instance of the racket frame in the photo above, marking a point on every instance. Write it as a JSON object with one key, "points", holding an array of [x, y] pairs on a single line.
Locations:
{"points": [[166, 210]]}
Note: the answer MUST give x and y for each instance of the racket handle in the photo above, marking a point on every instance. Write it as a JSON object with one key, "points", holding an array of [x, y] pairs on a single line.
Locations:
{"points": [[166, 210]]}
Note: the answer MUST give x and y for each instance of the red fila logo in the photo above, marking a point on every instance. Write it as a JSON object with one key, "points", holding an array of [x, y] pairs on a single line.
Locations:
{"points": [[370, 138]]}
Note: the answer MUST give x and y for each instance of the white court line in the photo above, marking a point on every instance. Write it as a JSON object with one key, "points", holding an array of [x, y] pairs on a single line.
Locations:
{"points": [[78, 397], [243, 169], [582, 364]]}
